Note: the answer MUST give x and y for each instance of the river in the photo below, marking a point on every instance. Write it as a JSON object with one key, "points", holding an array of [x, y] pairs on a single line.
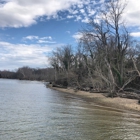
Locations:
{"points": [[30, 111]]}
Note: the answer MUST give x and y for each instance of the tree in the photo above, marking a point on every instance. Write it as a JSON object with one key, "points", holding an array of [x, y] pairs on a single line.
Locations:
{"points": [[62, 61], [107, 43], [107, 58]]}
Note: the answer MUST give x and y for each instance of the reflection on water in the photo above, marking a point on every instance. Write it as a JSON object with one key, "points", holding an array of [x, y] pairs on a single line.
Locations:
{"points": [[30, 111]]}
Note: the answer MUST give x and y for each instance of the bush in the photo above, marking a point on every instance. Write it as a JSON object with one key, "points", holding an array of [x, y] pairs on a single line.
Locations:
{"points": [[62, 82]]}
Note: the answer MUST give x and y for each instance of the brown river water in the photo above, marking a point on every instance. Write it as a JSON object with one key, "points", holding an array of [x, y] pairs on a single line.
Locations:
{"points": [[30, 111]]}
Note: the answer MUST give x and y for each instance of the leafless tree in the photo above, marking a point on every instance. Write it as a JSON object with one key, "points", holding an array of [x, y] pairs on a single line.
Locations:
{"points": [[107, 42]]}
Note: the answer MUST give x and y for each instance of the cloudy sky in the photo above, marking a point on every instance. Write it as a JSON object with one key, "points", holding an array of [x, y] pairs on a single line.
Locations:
{"points": [[31, 29]]}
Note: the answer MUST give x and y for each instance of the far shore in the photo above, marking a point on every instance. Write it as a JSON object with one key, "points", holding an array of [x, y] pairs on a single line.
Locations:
{"points": [[100, 99]]}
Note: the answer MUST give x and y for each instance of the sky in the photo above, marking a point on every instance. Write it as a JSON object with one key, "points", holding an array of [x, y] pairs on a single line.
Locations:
{"points": [[31, 29]]}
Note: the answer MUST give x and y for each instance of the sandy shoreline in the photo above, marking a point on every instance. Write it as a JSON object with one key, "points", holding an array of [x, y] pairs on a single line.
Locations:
{"points": [[100, 99]]}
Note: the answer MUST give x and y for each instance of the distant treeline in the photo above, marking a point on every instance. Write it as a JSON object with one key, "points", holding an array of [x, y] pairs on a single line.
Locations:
{"points": [[27, 73]]}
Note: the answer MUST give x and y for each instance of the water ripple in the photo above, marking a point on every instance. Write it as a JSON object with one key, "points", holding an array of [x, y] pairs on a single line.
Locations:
{"points": [[29, 111]]}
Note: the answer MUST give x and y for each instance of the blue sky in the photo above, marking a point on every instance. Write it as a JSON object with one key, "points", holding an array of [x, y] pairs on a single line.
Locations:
{"points": [[31, 29]]}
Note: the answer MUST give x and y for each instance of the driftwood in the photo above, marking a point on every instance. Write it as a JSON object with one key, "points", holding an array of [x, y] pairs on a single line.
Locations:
{"points": [[132, 90], [125, 94], [129, 95], [59, 86], [54, 85], [98, 91]]}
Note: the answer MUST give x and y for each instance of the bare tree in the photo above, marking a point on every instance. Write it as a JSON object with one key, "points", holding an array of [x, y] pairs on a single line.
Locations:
{"points": [[107, 40], [62, 61]]}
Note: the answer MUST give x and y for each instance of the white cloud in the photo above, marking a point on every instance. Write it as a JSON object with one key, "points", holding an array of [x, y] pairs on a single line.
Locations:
{"points": [[45, 41], [37, 39], [132, 13], [91, 11], [47, 37], [69, 16], [135, 34], [23, 13], [77, 36], [82, 11], [74, 12], [13, 56], [78, 18], [68, 32], [31, 37], [85, 20], [80, 5]]}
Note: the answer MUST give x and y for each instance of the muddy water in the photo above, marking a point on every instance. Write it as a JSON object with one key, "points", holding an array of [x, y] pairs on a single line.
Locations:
{"points": [[30, 111]]}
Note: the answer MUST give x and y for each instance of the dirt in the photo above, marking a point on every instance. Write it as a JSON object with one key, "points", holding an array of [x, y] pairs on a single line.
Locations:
{"points": [[101, 99]]}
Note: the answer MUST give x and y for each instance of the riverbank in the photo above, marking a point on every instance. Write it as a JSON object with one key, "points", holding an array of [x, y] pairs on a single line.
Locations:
{"points": [[101, 99]]}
